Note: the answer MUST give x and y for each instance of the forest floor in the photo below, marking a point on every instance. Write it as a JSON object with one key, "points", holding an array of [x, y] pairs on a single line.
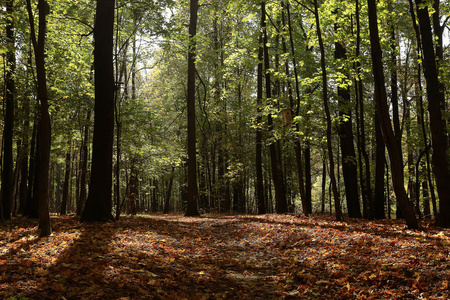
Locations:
{"points": [[224, 257]]}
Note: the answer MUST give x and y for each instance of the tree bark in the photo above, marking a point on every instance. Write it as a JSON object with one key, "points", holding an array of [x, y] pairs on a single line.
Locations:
{"points": [[99, 202], [365, 172], [337, 201], [132, 193], [349, 170], [65, 196], [306, 201], [277, 173], [395, 153], [84, 163], [44, 132], [169, 192], [192, 189], [261, 202], [7, 176], [31, 205], [378, 211], [435, 95]]}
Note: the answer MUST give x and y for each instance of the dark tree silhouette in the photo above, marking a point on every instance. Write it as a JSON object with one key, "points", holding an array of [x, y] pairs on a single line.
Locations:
{"points": [[99, 202], [192, 189]]}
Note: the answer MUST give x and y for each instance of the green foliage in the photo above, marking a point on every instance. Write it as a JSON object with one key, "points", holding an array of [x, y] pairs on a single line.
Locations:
{"points": [[150, 50]]}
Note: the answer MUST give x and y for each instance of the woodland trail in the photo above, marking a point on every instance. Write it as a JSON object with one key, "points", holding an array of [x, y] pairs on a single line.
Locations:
{"points": [[224, 257]]}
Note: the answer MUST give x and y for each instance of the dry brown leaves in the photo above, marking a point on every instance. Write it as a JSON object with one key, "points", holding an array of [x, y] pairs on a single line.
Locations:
{"points": [[224, 257]]}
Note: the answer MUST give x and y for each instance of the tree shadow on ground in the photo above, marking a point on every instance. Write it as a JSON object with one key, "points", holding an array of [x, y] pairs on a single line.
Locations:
{"points": [[59, 267], [382, 228], [230, 257]]}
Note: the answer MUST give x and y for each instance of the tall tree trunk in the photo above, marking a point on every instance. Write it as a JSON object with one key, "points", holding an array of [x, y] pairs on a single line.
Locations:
{"points": [[7, 176], [435, 95], [395, 153], [99, 202], [44, 131], [132, 192], [308, 176], [155, 196], [438, 31], [349, 169], [277, 173], [324, 181], [394, 89], [65, 196], [24, 162], [260, 199], [394, 100], [192, 189], [84, 163], [378, 210], [16, 175], [421, 112], [169, 192], [31, 206], [365, 176], [306, 202], [337, 201]]}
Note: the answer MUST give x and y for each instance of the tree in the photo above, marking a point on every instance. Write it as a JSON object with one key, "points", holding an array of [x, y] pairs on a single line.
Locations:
{"points": [[275, 159], [337, 201], [365, 176], [349, 169], [7, 176], [259, 167], [44, 132], [435, 95], [192, 189], [99, 202], [65, 196], [377, 209], [304, 185], [394, 151]]}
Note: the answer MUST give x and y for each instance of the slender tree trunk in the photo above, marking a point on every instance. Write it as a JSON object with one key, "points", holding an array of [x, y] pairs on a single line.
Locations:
{"points": [[16, 177], [394, 89], [337, 201], [380, 159], [99, 202], [277, 174], [308, 175], [65, 196], [306, 205], [7, 176], [394, 100], [84, 163], [426, 200], [421, 113], [395, 154], [24, 169], [260, 199], [349, 170], [438, 31], [155, 196], [31, 209], [44, 131], [365, 176], [435, 95], [324, 181], [169, 192], [192, 189], [132, 192]]}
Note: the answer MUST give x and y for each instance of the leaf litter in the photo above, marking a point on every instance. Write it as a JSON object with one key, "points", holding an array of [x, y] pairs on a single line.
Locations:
{"points": [[224, 257]]}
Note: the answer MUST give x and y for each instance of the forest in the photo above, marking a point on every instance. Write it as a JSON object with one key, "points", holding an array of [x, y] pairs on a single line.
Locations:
{"points": [[250, 107], [317, 126]]}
